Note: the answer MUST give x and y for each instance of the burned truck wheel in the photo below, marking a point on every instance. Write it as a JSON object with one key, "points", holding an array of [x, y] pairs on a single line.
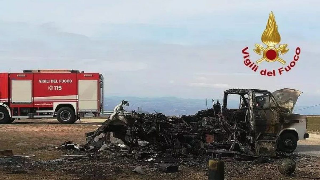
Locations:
{"points": [[4, 116], [66, 115], [287, 142]]}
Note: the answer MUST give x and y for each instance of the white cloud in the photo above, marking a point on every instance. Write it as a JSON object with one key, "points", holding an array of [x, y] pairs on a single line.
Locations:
{"points": [[224, 74], [201, 78], [141, 11], [112, 66], [208, 85]]}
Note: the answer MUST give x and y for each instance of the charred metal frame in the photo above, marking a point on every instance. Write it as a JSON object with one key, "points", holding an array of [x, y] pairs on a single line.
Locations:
{"points": [[253, 129]]}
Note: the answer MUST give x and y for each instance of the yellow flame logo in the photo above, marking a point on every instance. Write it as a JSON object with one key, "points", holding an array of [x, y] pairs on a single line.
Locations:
{"points": [[271, 37]]}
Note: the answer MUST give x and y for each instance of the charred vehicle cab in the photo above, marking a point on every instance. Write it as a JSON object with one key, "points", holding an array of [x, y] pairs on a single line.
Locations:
{"points": [[253, 123], [264, 119]]}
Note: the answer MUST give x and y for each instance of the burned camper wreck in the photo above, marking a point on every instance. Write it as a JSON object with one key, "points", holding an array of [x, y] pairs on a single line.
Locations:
{"points": [[262, 125]]}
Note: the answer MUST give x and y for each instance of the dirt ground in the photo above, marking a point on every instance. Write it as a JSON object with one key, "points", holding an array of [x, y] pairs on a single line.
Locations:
{"points": [[39, 139]]}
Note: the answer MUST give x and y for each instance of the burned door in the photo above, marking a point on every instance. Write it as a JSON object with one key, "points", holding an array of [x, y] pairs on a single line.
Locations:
{"points": [[265, 113], [236, 107]]}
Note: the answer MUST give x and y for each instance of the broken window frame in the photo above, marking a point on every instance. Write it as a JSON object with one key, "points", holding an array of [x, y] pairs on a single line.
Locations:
{"points": [[269, 103], [242, 96]]}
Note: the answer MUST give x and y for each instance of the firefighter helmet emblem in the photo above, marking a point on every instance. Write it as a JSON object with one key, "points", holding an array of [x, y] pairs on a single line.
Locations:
{"points": [[271, 38]]}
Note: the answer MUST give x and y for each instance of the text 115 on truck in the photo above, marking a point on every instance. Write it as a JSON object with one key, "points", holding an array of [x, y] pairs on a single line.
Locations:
{"points": [[64, 94]]}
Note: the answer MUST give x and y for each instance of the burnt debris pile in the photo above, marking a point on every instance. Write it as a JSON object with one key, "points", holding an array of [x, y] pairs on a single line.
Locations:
{"points": [[208, 133], [205, 133]]}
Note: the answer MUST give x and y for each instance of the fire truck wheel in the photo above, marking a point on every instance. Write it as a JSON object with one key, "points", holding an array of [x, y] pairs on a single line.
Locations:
{"points": [[11, 120], [4, 116], [287, 142], [66, 115]]}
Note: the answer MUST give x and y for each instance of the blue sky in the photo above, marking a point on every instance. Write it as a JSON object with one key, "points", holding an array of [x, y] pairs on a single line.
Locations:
{"points": [[182, 48]]}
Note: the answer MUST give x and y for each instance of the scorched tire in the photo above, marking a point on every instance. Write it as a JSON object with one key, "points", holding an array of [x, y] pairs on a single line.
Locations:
{"points": [[66, 115], [287, 142], [4, 116]]}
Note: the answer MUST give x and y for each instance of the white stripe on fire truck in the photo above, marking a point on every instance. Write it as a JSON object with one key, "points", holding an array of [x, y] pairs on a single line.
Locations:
{"points": [[6, 100], [60, 100], [56, 97]]}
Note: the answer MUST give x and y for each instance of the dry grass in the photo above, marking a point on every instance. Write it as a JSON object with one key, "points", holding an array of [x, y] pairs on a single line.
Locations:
{"points": [[40, 139], [313, 124]]}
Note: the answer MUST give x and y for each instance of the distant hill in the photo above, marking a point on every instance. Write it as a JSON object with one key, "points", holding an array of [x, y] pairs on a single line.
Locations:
{"points": [[307, 110], [165, 105], [180, 106]]}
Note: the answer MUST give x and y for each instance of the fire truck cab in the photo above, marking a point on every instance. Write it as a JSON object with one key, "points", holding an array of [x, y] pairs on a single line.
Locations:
{"points": [[64, 94]]}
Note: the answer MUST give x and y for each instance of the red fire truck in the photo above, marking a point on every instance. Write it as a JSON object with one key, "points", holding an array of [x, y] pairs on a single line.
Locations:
{"points": [[64, 94]]}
